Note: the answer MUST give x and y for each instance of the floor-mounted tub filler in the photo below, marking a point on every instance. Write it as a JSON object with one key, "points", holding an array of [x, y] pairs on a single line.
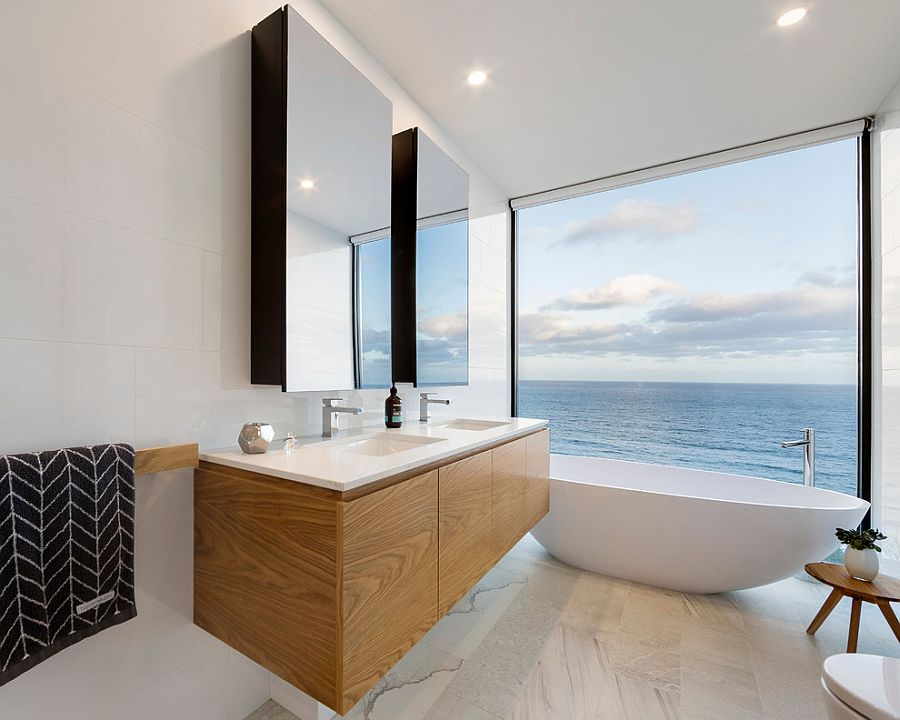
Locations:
{"points": [[687, 530]]}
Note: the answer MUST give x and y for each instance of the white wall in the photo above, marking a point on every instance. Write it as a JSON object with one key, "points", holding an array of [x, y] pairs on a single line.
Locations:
{"points": [[319, 303], [886, 453], [124, 288]]}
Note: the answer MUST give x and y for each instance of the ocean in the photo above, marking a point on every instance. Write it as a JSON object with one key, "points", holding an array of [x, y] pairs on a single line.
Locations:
{"points": [[724, 427]]}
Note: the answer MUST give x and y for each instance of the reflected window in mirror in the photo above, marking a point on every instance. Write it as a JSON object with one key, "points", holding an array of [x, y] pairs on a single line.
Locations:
{"points": [[442, 294], [372, 264]]}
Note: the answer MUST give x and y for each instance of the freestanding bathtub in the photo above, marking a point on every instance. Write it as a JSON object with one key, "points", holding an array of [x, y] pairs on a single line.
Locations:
{"points": [[687, 530]]}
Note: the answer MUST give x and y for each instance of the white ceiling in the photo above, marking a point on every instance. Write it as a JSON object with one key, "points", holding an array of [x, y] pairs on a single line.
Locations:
{"points": [[581, 89]]}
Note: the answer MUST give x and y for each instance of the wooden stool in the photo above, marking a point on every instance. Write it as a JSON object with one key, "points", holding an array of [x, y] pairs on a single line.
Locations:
{"points": [[882, 591]]}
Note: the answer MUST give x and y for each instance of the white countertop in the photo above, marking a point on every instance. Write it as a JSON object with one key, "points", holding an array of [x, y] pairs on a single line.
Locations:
{"points": [[341, 463]]}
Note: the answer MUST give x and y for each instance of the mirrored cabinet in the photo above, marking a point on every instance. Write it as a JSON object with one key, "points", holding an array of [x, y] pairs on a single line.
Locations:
{"points": [[359, 240], [429, 264], [321, 174]]}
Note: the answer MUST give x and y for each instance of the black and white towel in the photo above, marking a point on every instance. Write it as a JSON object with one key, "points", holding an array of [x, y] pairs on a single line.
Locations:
{"points": [[66, 550]]}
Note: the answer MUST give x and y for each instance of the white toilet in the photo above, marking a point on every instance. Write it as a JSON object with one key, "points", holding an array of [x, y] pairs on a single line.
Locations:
{"points": [[862, 687]]}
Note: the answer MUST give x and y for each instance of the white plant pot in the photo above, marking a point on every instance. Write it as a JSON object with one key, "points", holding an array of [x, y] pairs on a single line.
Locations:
{"points": [[861, 564]]}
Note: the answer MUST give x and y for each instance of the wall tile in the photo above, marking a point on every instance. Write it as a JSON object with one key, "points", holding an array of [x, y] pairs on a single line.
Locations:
{"points": [[890, 340], [890, 274], [212, 302], [32, 134], [97, 393], [63, 394], [33, 263], [154, 293], [890, 161], [890, 220]]}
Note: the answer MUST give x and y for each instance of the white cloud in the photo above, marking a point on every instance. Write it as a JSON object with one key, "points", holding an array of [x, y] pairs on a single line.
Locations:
{"points": [[642, 219], [624, 290], [454, 326], [800, 302], [804, 318], [373, 355]]}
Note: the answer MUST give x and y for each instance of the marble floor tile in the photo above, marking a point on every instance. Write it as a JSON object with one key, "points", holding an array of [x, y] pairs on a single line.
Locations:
{"points": [[573, 680], [271, 711], [717, 676], [411, 688], [494, 676], [462, 629], [657, 665], [718, 611], [596, 604], [538, 640], [450, 707]]}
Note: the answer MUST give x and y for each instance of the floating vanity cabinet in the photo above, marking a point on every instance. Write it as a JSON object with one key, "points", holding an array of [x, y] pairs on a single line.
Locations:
{"points": [[510, 480], [328, 589], [464, 526]]}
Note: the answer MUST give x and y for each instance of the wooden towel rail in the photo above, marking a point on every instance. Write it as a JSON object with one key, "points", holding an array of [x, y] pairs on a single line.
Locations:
{"points": [[167, 457]]}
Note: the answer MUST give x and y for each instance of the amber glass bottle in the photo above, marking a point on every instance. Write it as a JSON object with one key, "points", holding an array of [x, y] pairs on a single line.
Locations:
{"points": [[393, 409]]}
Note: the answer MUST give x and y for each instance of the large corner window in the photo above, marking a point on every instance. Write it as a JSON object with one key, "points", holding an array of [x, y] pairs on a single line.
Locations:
{"points": [[698, 319]]}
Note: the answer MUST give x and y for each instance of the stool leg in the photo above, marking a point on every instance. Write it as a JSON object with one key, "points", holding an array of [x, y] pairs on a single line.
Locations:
{"points": [[888, 613], [853, 637], [829, 605]]}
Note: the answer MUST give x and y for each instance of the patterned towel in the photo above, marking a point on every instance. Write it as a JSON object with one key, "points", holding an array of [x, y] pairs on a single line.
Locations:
{"points": [[66, 550]]}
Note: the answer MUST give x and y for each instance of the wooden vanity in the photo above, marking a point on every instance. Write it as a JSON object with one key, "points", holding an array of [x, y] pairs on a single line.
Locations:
{"points": [[328, 589]]}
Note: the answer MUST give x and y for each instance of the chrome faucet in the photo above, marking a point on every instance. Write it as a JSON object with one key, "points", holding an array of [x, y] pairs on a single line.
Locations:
{"points": [[424, 401], [329, 409], [808, 443]]}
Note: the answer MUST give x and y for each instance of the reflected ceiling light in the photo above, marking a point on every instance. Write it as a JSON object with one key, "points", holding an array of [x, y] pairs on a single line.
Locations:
{"points": [[307, 184], [791, 17], [477, 77]]}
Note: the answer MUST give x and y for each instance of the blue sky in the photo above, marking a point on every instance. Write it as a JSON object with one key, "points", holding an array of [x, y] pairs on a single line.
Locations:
{"points": [[743, 273]]}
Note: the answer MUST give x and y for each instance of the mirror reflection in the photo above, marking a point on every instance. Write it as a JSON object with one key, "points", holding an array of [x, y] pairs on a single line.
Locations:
{"points": [[373, 291], [430, 264], [339, 169], [442, 268]]}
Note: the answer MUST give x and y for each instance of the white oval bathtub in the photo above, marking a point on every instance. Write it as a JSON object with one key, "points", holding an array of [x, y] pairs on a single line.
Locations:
{"points": [[687, 530]]}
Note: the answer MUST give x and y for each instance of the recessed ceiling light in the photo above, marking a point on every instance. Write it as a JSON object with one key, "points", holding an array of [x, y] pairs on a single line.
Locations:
{"points": [[791, 17], [477, 77], [307, 184]]}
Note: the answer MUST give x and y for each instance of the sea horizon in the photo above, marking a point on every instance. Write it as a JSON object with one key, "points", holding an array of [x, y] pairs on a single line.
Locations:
{"points": [[686, 382], [726, 427]]}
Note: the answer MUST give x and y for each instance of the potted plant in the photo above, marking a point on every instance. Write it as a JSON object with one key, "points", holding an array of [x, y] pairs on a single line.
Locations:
{"points": [[861, 556]]}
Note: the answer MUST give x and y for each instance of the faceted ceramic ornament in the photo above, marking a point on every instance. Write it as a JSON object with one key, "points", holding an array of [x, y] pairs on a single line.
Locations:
{"points": [[255, 438]]}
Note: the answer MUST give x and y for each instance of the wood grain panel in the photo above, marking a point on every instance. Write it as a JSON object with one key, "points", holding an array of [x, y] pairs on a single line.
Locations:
{"points": [[464, 527], [265, 577], [537, 493], [508, 488], [168, 457], [390, 565]]}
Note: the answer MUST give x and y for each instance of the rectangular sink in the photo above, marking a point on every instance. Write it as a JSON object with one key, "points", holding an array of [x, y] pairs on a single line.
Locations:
{"points": [[466, 424], [387, 444]]}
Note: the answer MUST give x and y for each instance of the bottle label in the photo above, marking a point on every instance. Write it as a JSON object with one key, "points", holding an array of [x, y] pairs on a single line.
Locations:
{"points": [[393, 418]]}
